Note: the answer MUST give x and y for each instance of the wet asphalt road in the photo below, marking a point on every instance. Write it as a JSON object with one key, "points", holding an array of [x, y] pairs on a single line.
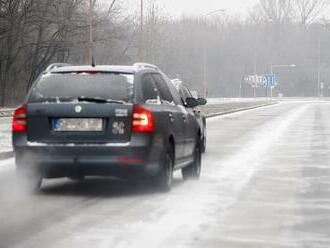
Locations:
{"points": [[265, 183]]}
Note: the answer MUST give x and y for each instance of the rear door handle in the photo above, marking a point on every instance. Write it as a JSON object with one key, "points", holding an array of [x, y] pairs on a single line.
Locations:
{"points": [[184, 117]]}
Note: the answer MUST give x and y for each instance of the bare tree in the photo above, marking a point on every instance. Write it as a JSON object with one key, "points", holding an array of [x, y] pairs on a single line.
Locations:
{"points": [[277, 11], [13, 16], [309, 10]]}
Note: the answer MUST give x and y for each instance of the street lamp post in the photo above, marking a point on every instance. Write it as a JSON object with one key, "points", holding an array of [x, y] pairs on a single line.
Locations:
{"points": [[272, 72], [205, 83], [141, 39], [319, 71], [278, 66], [90, 33]]}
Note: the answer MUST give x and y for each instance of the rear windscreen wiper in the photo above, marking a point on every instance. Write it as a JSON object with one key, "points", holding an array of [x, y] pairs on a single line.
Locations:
{"points": [[98, 100]]}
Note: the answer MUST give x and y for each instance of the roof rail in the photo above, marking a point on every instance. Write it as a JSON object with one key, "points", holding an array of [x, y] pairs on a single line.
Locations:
{"points": [[146, 66], [177, 80], [55, 66]]}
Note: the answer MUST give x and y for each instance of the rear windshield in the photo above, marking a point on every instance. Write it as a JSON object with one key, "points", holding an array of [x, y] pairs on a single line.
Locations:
{"points": [[71, 86]]}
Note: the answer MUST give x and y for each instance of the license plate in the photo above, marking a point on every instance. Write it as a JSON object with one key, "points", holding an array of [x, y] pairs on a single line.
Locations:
{"points": [[77, 124]]}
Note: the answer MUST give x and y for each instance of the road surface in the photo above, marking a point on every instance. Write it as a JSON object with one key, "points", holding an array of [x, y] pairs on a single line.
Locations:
{"points": [[265, 183]]}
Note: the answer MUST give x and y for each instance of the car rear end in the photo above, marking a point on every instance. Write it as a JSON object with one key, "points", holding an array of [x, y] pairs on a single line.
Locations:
{"points": [[81, 122]]}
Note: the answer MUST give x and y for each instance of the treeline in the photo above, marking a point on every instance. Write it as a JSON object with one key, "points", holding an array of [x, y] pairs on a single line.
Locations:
{"points": [[35, 33], [219, 49]]}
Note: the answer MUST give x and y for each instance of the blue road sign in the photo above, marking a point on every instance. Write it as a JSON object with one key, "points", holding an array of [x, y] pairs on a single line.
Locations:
{"points": [[269, 80]]}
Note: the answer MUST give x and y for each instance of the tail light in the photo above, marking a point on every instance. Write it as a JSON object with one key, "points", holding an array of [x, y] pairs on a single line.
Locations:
{"points": [[19, 120], [143, 120]]}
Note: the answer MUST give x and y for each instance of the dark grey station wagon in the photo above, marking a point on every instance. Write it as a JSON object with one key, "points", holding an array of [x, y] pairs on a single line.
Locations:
{"points": [[121, 121]]}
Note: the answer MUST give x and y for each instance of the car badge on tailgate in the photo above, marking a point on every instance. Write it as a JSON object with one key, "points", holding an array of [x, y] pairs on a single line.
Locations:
{"points": [[78, 109], [118, 127], [121, 112]]}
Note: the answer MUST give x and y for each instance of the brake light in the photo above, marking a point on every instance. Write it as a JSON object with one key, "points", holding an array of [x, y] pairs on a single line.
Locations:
{"points": [[143, 120], [19, 120]]}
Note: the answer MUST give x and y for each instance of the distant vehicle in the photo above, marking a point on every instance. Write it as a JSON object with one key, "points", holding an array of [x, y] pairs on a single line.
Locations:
{"points": [[121, 121], [186, 96]]}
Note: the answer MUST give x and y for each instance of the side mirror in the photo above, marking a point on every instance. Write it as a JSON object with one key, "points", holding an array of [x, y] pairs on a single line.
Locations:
{"points": [[202, 101], [191, 102]]}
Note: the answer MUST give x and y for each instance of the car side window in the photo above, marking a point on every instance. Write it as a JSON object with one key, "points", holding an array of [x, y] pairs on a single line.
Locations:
{"points": [[162, 86], [175, 94], [149, 89], [184, 94]]}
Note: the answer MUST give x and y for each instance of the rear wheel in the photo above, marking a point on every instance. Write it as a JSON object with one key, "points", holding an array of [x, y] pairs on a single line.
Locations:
{"points": [[29, 178], [193, 171], [203, 149], [165, 178]]}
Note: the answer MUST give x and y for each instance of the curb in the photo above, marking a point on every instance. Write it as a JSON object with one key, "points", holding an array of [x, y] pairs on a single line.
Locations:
{"points": [[6, 155], [6, 113], [238, 110]]}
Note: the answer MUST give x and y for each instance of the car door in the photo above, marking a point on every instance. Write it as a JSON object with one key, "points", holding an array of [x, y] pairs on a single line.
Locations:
{"points": [[175, 117], [191, 125]]}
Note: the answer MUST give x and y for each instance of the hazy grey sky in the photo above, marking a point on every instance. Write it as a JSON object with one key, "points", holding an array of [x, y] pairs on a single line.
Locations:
{"points": [[198, 7], [178, 7]]}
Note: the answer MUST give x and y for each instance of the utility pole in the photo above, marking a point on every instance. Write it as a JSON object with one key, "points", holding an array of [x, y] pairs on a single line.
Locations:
{"points": [[204, 50], [90, 33], [141, 41], [319, 66]]}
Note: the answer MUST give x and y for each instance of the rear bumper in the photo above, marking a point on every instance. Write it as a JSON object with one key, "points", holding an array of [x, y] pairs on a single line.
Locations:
{"points": [[140, 157]]}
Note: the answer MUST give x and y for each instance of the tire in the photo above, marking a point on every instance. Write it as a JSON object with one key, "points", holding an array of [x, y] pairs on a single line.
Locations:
{"points": [[193, 171], [203, 148], [165, 179], [29, 179]]}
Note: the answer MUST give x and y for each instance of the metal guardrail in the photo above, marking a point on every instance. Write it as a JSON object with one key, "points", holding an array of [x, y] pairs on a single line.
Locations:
{"points": [[6, 112]]}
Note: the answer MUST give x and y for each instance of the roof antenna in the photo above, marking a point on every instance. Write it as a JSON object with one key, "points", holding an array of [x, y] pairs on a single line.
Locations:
{"points": [[93, 61]]}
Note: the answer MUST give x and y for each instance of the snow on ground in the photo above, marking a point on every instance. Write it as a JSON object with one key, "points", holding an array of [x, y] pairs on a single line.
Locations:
{"points": [[5, 134]]}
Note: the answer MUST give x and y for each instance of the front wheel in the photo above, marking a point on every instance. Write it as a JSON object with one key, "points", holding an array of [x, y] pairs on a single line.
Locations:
{"points": [[193, 171]]}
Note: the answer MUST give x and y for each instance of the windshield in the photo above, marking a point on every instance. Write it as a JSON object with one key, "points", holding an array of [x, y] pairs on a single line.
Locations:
{"points": [[66, 87]]}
